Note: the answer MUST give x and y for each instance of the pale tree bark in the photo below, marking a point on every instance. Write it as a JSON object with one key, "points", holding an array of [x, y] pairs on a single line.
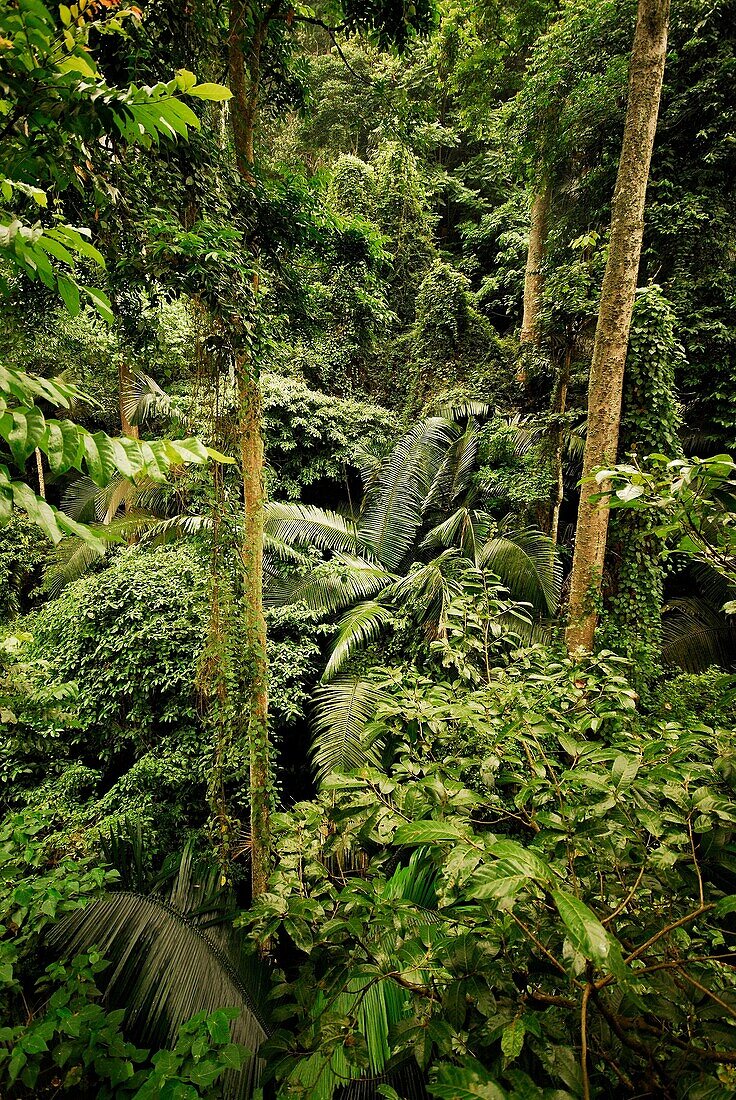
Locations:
{"points": [[533, 278], [559, 405], [614, 317], [245, 74]]}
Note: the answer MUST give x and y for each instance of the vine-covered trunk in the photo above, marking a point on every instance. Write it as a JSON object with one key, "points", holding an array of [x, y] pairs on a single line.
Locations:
{"points": [[251, 552], [533, 279], [244, 71], [614, 317]]}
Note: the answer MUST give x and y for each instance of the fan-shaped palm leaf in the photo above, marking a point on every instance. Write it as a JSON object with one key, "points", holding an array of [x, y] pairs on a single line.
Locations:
{"points": [[171, 959], [392, 510], [356, 629], [144, 399], [342, 710], [527, 563]]}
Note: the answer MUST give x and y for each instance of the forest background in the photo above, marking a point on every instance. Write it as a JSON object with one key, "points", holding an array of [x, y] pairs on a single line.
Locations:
{"points": [[305, 791]]}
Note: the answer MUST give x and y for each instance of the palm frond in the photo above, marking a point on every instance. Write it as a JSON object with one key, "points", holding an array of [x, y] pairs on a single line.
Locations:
{"points": [[429, 587], [160, 532], [331, 586], [73, 558], [453, 476], [695, 635], [144, 399], [358, 626], [467, 529], [307, 525], [392, 509], [84, 501], [170, 959], [528, 564], [464, 410], [342, 710]]}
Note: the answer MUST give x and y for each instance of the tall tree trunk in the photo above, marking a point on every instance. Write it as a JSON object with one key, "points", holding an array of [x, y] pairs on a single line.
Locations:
{"points": [[533, 280], [244, 71], [614, 317]]}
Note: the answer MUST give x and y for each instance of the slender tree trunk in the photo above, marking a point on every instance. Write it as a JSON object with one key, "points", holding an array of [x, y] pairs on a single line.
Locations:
{"points": [[533, 279], [41, 478], [614, 317], [244, 70], [251, 453], [559, 405], [125, 384]]}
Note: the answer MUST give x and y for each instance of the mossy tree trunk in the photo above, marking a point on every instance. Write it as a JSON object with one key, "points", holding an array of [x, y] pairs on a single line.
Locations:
{"points": [[614, 317], [247, 36]]}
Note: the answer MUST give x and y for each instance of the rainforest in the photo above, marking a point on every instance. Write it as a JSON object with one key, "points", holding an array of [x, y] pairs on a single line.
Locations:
{"points": [[368, 549]]}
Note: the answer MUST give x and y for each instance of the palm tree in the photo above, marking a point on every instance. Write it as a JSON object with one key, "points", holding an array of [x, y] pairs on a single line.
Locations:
{"points": [[423, 532], [422, 517]]}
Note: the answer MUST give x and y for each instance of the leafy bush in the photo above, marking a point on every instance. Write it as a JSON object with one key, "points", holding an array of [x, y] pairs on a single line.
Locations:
{"points": [[574, 928]]}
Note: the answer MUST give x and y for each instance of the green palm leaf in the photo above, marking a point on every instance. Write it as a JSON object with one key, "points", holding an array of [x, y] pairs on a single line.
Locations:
{"points": [[306, 525], [358, 626], [696, 634], [453, 476], [331, 586], [392, 510], [342, 710], [527, 563], [171, 959], [467, 529]]}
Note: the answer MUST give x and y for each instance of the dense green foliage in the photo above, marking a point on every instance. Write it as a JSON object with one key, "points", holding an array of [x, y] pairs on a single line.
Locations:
{"points": [[495, 870]]}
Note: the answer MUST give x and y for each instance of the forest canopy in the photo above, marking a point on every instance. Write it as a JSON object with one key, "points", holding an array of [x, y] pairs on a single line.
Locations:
{"points": [[368, 550]]}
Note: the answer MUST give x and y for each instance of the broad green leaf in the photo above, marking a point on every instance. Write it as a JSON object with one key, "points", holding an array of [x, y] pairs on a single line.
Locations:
{"points": [[512, 1039], [217, 93], [585, 932], [69, 292], [429, 832]]}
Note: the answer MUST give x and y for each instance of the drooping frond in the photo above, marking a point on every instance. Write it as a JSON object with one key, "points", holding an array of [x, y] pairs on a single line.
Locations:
{"points": [[342, 710], [170, 960], [392, 509], [527, 563], [73, 558], [464, 410], [467, 529], [160, 532], [429, 588], [453, 476], [695, 635], [357, 628], [331, 586], [307, 525]]}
